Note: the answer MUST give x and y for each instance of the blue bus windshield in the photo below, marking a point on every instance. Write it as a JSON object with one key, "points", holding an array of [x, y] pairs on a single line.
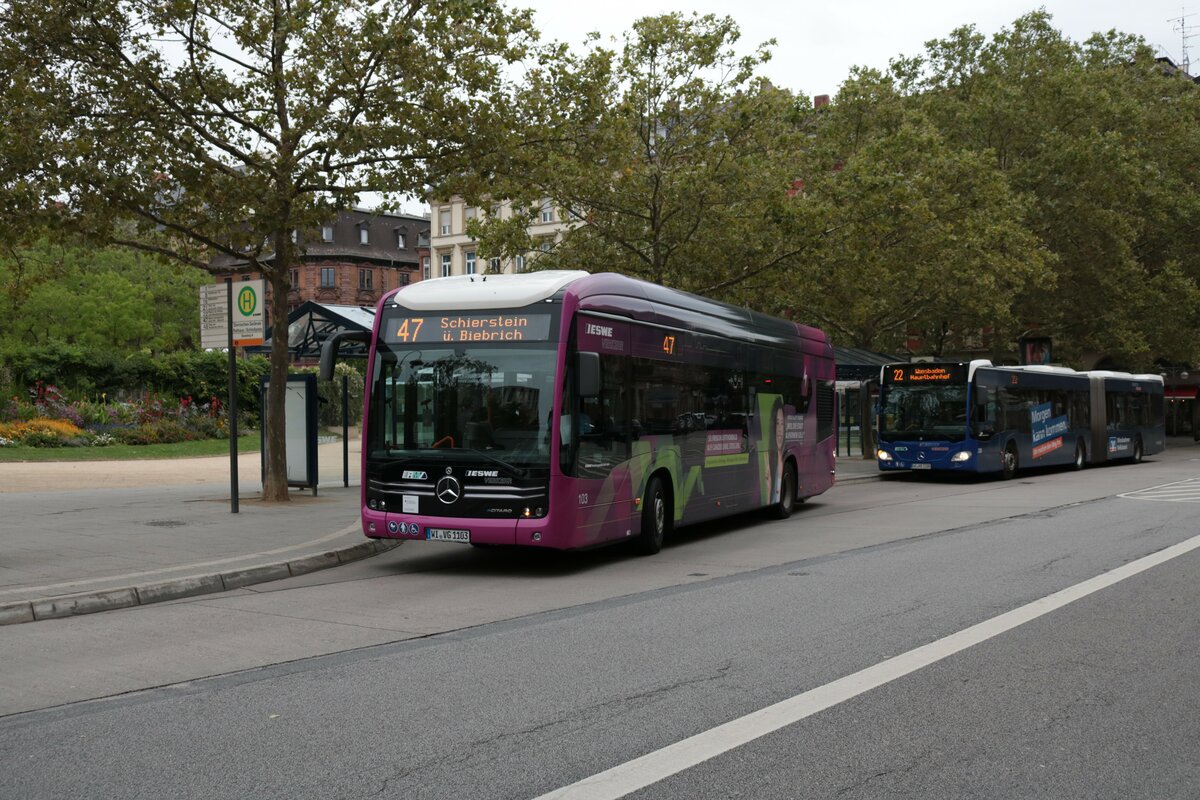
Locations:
{"points": [[923, 413]]}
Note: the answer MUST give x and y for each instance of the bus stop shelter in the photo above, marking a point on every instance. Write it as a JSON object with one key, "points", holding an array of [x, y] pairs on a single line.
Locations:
{"points": [[857, 393]]}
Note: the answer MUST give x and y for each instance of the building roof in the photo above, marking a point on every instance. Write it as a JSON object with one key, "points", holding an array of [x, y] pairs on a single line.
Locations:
{"points": [[856, 364]]}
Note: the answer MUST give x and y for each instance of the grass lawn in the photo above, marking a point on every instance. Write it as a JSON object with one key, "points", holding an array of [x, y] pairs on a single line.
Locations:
{"points": [[123, 452]]}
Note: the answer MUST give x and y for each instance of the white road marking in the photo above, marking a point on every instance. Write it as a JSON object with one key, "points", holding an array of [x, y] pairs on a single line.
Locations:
{"points": [[1186, 491], [195, 565], [661, 764]]}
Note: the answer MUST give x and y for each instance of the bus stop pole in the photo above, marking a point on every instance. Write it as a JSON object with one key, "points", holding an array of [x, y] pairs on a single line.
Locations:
{"points": [[231, 407]]}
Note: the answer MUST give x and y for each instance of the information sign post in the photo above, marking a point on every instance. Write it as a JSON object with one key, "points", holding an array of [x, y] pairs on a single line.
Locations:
{"points": [[232, 316]]}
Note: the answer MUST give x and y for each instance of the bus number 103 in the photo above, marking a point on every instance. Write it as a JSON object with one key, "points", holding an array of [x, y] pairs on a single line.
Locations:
{"points": [[409, 329]]}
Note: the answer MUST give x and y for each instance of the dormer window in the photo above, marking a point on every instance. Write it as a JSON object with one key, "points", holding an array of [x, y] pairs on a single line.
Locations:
{"points": [[326, 233], [401, 240], [364, 234]]}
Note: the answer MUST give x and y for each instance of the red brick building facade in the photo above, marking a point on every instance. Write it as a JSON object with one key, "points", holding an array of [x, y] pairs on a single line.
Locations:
{"points": [[351, 260]]}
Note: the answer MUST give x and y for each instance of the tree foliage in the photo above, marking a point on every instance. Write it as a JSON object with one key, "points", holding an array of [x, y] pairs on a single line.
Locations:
{"points": [[920, 235], [220, 127], [114, 298], [669, 148], [1104, 145]]}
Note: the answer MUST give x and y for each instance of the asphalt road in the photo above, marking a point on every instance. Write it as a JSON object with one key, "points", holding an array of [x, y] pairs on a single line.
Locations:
{"points": [[443, 672]]}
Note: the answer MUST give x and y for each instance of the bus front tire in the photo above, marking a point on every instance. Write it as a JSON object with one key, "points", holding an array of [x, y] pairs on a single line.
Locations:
{"points": [[1137, 451], [787, 494], [656, 519], [1009, 462]]}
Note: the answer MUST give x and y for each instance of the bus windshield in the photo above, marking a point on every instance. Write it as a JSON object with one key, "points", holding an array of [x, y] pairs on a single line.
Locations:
{"points": [[493, 400], [920, 413]]}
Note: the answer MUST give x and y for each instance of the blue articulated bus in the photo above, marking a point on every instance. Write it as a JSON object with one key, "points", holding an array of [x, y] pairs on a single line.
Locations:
{"points": [[976, 417]]}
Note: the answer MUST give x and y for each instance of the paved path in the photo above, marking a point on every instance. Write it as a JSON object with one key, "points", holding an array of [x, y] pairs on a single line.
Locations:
{"points": [[85, 536], [77, 537]]}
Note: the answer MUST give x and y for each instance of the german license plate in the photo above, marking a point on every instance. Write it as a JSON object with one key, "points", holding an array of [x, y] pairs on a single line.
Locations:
{"points": [[447, 535], [922, 466]]}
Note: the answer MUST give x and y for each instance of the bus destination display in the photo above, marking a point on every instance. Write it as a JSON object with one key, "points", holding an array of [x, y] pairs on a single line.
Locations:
{"points": [[496, 327], [926, 373]]}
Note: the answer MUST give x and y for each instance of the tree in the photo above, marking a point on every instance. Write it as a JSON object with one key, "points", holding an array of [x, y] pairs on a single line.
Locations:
{"points": [[671, 151], [222, 127], [1104, 145], [121, 300], [918, 235]]}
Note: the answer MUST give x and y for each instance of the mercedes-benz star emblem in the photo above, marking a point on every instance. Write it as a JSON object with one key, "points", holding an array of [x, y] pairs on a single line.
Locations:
{"points": [[448, 490]]}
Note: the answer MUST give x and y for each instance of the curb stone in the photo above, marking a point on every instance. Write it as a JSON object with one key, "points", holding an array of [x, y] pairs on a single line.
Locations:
{"points": [[70, 605]]}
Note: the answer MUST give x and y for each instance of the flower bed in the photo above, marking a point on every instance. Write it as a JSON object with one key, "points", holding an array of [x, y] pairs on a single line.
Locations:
{"points": [[49, 419]]}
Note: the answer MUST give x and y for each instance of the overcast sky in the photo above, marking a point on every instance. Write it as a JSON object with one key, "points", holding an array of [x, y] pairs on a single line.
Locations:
{"points": [[817, 43]]}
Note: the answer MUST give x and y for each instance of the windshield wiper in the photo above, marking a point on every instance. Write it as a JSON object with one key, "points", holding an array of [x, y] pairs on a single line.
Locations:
{"points": [[518, 470]]}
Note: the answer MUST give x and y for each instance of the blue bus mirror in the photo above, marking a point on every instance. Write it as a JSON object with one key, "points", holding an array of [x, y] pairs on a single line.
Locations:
{"points": [[588, 372]]}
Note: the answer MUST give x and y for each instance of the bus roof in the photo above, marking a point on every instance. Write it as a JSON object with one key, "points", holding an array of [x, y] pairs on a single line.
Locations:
{"points": [[1125, 376], [485, 291], [606, 292]]}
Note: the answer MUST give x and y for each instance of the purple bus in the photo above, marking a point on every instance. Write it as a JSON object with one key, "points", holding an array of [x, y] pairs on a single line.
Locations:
{"points": [[566, 410]]}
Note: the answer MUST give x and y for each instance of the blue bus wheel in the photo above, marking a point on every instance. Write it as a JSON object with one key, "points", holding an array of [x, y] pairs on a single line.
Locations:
{"points": [[1010, 461]]}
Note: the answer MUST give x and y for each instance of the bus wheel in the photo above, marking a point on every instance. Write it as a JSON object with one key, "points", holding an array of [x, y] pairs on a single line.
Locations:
{"points": [[787, 493], [656, 519], [1080, 456], [1009, 461], [1137, 451]]}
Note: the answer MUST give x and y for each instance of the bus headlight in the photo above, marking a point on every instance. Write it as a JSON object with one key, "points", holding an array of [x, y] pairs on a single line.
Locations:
{"points": [[960, 456], [883, 455]]}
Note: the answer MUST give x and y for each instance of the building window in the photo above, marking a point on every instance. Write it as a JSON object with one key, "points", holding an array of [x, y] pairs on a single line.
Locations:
{"points": [[326, 233], [246, 277], [494, 265], [545, 245], [444, 221], [295, 236], [496, 210], [445, 265], [328, 277], [364, 234], [366, 279], [401, 240], [547, 211], [425, 267], [470, 262], [519, 262], [404, 279], [383, 281], [294, 278]]}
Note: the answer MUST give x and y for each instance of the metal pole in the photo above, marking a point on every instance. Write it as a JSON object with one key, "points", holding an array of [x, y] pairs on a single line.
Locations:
{"points": [[345, 430], [231, 406]]}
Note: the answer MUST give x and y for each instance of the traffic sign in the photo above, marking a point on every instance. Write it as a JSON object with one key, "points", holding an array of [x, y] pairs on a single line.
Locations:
{"points": [[249, 318]]}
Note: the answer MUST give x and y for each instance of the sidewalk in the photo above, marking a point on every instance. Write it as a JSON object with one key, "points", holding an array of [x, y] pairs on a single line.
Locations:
{"points": [[79, 537], [84, 536]]}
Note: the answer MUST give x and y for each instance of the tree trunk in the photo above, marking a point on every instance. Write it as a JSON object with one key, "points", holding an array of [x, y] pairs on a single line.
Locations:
{"points": [[275, 486]]}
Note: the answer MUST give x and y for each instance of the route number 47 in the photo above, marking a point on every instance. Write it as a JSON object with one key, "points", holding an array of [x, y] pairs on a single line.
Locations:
{"points": [[409, 329]]}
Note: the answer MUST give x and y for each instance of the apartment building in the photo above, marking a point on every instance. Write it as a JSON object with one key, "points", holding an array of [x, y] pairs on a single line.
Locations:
{"points": [[453, 252]]}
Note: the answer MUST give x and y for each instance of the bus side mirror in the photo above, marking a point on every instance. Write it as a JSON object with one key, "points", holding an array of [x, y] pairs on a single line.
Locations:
{"points": [[329, 350], [587, 368]]}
